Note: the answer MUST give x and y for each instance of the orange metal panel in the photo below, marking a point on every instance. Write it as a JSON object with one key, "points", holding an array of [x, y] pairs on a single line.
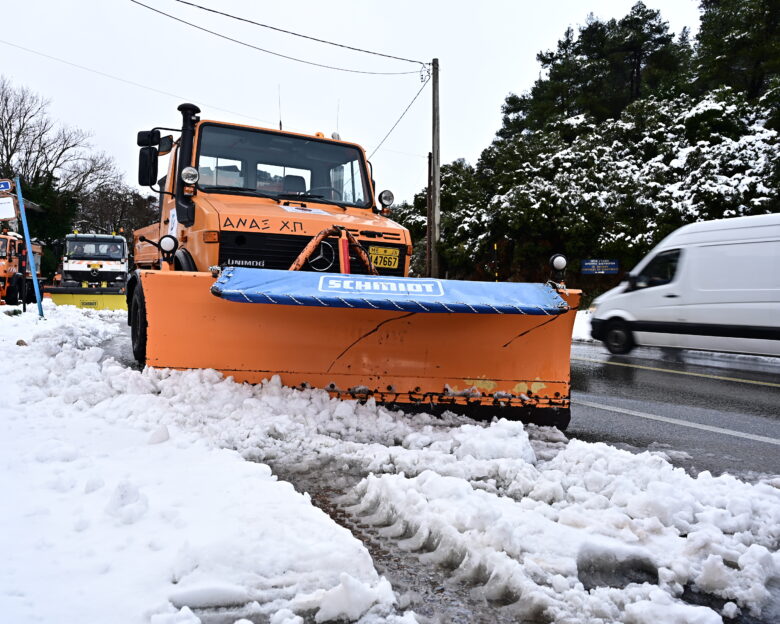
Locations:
{"points": [[399, 356]]}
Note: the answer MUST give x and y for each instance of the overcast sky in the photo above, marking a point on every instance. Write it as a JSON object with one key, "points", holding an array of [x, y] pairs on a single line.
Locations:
{"points": [[486, 50]]}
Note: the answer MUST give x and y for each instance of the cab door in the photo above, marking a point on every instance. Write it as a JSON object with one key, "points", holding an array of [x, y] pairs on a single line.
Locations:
{"points": [[657, 301]]}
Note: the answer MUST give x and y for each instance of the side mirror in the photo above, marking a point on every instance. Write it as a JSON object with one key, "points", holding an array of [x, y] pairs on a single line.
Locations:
{"points": [[166, 145], [631, 282], [147, 166], [148, 138]]}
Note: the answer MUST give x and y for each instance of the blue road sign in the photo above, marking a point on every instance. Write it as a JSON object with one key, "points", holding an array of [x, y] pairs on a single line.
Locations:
{"points": [[599, 267], [5, 185]]}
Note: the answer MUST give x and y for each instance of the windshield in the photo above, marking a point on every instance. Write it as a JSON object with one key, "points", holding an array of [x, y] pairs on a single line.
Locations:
{"points": [[271, 164], [3, 247], [87, 249]]}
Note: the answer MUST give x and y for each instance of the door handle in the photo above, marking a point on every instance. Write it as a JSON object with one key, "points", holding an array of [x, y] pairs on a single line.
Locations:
{"points": [[671, 295]]}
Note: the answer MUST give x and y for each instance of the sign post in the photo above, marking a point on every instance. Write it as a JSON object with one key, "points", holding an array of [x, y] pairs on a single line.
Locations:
{"points": [[28, 245]]}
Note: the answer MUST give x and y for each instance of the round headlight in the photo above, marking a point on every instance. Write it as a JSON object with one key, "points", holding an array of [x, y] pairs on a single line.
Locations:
{"points": [[168, 243], [189, 175], [386, 198], [558, 262]]}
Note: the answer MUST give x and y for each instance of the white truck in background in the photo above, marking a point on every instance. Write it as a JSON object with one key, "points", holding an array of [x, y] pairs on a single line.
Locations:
{"points": [[93, 273]]}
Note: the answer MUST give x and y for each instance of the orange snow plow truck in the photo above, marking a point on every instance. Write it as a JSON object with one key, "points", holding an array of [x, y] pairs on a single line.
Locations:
{"points": [[16, 285], [271, 257]]}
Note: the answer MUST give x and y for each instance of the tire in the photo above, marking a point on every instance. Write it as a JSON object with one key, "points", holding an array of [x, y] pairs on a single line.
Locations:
{"points": [[138, 325], [183, 261], [618, 338], [30, 295], [562, 418], [12, 293]]}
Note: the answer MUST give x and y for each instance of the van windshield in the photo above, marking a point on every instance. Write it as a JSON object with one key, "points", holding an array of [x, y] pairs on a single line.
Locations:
{"points": [[3, 247], [660, 270], [232, 159]]}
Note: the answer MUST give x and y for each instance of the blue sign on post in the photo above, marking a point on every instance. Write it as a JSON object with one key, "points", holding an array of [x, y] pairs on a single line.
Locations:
{"points": [[599, 267], [5, 185]]}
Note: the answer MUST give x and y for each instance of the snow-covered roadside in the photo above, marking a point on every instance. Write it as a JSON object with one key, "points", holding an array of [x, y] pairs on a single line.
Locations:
{"points": [[581, 332], [540, 523], [109, 517]]}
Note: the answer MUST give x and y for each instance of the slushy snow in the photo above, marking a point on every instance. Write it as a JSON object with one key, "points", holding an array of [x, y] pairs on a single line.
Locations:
{"points": [[146, 496]]}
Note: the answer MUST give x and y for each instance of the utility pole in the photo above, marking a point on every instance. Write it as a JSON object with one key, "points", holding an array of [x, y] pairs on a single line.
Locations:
{"points": [[433, 226], [429, 218]]}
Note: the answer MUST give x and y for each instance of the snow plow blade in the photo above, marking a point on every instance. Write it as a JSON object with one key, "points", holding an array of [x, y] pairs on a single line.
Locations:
{"points": [[479, 348], [92, 298]]}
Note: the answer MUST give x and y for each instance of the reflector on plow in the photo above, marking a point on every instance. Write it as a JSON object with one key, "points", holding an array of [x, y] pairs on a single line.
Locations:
{"points": [[481, 348]]}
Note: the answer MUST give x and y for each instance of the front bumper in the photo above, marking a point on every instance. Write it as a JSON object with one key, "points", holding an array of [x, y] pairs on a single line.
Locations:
{"points": [[597, 328]]}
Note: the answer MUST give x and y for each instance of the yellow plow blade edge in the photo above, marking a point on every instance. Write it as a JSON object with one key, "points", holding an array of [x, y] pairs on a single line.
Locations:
{"points": [[93, 302], [510, 365]]}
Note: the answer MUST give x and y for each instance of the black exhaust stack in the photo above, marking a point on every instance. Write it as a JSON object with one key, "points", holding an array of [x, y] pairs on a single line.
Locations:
{"points": [[185, 207]]}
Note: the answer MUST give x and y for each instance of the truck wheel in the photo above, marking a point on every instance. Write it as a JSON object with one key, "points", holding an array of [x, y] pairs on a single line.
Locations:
{"points": [[30, 295], [12, 292], [562, 418], [618, 338], [138, 325]]}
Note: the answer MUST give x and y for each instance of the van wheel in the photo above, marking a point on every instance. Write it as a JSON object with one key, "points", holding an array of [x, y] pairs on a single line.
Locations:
{"points": [[138, 325], [618, 338]]}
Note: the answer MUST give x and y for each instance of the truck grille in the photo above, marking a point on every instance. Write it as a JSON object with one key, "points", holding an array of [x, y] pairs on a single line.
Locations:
{"points": [[95, 276], [278, 251]]}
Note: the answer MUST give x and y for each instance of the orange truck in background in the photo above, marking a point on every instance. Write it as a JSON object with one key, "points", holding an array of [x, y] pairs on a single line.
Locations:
{"points": [[289, 221], [15, 278]]}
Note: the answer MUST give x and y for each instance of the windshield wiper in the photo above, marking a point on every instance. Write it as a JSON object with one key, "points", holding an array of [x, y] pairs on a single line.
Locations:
{"points": [[318, 198], [237, 189]]}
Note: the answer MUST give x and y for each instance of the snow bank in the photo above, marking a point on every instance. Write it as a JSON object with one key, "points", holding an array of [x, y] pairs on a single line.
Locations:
{"points": [[581, 332], [118, 481], [591, 511], [104, 522]]}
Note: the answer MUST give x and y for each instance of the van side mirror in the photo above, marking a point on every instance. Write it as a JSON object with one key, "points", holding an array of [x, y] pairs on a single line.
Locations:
{"points": [[631, 282]]}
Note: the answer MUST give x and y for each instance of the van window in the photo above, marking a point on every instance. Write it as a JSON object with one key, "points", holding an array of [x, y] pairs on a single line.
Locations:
{"points": [[660, 270]]}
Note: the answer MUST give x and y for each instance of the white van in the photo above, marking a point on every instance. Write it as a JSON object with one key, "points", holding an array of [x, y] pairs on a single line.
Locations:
{"points": [[713, 285]]}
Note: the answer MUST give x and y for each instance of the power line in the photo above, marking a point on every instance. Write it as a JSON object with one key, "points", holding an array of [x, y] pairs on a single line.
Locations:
{"points": [[400, 118], [254, 47], [124, 80], [295, 34]]}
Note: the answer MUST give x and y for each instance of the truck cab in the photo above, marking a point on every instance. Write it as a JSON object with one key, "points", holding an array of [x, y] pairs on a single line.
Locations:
{"points": [[15, 276], [94, 261], [253, 197]]}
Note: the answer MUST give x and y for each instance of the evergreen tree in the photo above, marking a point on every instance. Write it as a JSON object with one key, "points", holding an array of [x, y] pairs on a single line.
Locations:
{"points": [[739, 45], [602, 70]]}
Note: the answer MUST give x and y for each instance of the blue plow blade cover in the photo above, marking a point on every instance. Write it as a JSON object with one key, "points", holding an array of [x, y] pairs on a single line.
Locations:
{"points": [[409, 294]]}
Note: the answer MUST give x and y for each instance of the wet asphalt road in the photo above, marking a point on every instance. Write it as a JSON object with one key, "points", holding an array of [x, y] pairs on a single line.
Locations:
{"points": [[616, 397]]}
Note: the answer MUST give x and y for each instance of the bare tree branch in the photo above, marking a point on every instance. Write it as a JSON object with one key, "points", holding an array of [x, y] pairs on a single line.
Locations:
{"points": [[33, 146]]}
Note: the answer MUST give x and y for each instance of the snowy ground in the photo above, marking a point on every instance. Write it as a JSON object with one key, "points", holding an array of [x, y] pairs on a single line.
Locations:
{"points": [[128, 497], [581, 331]]}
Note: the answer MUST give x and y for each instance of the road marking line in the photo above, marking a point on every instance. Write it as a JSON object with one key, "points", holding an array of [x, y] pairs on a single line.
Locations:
{"points": [[669, 370], [675, 421]]}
